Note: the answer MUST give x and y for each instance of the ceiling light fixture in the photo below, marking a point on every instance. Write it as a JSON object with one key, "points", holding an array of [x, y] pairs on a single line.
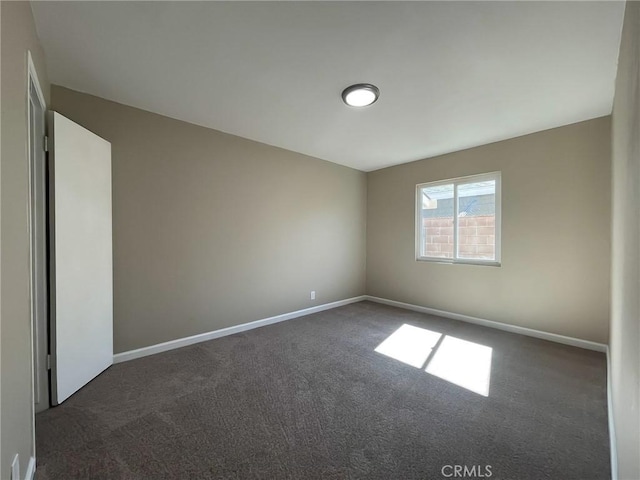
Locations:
{"points": [[360, 95]]}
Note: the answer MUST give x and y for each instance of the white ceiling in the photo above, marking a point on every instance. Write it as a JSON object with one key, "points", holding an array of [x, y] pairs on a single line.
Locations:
{"points": [[452, 75]]}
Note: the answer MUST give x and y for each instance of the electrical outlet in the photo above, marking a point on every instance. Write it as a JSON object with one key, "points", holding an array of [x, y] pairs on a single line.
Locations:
{"points": [[313, 295], [15, 468]]}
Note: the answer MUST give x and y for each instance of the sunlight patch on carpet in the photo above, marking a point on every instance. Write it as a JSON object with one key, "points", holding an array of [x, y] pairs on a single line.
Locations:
{"points": [[410, 345], [461, 362]]}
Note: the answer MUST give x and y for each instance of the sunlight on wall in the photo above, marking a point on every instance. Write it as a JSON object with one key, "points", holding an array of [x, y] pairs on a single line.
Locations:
{"points": [[461, 362]]}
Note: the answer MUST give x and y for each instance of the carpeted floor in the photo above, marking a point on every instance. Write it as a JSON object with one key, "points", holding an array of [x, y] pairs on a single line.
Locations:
{"points": [[311, 398]]}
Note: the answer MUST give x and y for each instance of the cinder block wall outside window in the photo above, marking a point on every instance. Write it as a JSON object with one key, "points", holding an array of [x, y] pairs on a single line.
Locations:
{"points": [[476, 236]]}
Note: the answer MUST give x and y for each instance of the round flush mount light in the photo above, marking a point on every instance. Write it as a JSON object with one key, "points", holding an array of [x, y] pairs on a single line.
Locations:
{"points": [[360, 95]]}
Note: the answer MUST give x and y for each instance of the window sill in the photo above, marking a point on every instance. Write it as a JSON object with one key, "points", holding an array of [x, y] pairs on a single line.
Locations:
{"points": [[451, 261]]}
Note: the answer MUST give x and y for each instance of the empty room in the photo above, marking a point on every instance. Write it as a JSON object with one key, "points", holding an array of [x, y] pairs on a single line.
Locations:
{"points": [[320, 240]]}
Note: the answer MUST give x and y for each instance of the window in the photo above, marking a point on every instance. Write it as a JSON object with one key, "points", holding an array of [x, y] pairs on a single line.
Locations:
{"points": [[458, 220]]}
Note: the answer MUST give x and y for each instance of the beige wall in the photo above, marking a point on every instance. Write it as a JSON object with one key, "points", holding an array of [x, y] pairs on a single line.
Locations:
{"points": [[625, 271], [18, 36], [555, 191], [212, 230]]}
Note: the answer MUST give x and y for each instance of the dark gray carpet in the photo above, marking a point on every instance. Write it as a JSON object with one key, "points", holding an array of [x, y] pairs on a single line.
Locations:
{"points": [[309, 398]]}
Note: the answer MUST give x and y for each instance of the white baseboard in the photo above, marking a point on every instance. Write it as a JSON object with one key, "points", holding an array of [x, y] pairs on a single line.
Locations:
{"points": [[203, 337], [31, 469], [612, 426], [553, 337]]}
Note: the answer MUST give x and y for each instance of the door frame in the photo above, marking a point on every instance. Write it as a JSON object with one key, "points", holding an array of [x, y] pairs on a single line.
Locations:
{"points": [[33, 81]]}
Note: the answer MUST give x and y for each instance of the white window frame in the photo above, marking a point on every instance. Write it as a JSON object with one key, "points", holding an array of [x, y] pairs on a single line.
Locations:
{"points": [[497, 176]]}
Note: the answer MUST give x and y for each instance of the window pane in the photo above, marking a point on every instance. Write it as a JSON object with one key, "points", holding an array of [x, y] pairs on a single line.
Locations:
{"points": [[436, 236], [477, 220]]}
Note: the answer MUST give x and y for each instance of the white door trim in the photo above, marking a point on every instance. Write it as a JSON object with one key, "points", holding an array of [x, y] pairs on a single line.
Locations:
{"points": [[32, 79], [33, 76]]}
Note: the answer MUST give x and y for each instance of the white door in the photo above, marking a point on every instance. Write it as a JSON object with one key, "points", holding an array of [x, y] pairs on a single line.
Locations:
{"points": [[81, 265]]}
